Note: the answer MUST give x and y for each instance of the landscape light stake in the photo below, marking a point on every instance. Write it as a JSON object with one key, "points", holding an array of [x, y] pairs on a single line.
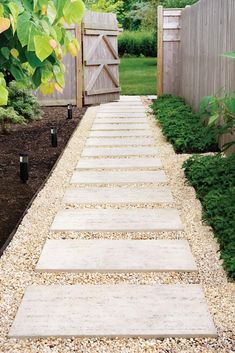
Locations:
{"points": [[54, 141], [24, 167], [70, 111]]}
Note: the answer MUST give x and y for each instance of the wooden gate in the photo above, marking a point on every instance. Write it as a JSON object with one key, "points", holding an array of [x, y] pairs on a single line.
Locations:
{"points": [[93, 76], [100, 57]]}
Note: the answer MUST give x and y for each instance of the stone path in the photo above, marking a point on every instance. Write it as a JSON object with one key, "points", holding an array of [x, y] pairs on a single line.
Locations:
{"points": [[122, 310]]}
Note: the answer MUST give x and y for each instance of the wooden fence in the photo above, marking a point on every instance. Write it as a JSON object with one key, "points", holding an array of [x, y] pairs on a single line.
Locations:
{"points": [[72, 92], [93, 76], [191, 62], [169, 70]]}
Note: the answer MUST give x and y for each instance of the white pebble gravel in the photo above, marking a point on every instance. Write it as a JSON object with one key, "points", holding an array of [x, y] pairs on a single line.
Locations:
{"points": [[18, 262]]}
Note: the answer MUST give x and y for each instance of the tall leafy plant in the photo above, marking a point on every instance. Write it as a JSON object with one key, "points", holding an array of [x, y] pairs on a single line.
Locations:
{"points": [[33, 39], [219, 110]]}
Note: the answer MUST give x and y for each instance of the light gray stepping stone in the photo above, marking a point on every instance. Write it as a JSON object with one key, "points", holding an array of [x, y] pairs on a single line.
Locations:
{"points": [[116, 256], [123, 177], [121, 133], [117, 220], [127, 98], [152, 97], [121, 115], [120, 121], [123, 104], [118, 110], [119, 151], [110, 127], [119, 163], [122, 310], [124, 141], [118, 196]]}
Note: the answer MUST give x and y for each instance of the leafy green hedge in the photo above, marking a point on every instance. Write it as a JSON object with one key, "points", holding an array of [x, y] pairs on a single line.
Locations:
{"points": [[137, 43], [183, 128], [213, 178]]}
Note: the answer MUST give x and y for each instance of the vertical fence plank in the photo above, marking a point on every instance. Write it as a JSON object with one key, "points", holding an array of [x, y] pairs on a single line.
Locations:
{"points": [[160, 52], [79, 68]]}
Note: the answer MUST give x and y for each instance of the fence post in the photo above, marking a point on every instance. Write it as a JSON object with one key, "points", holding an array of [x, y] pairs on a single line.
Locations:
{"points": [[79, 68], [160, 51]]}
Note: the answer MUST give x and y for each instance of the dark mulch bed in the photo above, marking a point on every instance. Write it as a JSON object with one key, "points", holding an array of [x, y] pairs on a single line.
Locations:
{"points": [[35, 140]]}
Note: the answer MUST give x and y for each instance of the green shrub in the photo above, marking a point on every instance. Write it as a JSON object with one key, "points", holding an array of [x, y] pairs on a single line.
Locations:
{"points": [[24, 102], [9, 116], [213, 178], [183, 128], [137, 43]]}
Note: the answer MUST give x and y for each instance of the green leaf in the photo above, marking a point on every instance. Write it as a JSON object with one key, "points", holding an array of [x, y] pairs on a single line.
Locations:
{"points": [[14, 8], [28, 4], [230, 54], [33, 31], [42, 47], [74, 11], [1, 10], [17, 72], [51, 12], [33, 60], [60, 6], [3, 95], [47, 75], [5, 52], [36, 78], [22, 27], [213, 119]]}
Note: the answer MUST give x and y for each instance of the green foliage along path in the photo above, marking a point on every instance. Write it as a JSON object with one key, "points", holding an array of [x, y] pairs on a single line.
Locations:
{"points": [[184, 128], [213, 178]]}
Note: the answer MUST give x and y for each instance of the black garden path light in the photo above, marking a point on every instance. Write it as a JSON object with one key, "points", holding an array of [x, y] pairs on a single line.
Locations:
{"points": [[54, 141], [24, 167], [70, 111]]}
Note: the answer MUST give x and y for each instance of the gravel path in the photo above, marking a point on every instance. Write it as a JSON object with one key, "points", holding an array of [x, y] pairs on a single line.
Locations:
{"points": [[19, 260]]}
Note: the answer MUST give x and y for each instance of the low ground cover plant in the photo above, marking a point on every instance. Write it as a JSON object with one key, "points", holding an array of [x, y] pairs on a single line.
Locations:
{"points": [[185, 129], [137, 43], [23, 101], [213, 178], [22, 107]]}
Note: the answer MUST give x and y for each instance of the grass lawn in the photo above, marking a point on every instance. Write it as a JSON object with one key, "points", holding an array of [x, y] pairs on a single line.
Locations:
{"points": [[138, 76]]}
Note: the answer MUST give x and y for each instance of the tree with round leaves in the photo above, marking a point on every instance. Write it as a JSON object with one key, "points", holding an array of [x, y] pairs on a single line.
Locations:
{"points": [[33, 39]]}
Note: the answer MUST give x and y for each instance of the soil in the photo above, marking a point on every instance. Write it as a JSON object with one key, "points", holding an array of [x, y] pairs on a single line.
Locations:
{"points": [[35, 140]]}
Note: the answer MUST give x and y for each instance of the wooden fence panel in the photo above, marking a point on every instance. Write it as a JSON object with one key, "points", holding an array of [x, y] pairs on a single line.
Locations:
{"points": [[169, 70], [69, 94], [192, 64], [207, 32]]}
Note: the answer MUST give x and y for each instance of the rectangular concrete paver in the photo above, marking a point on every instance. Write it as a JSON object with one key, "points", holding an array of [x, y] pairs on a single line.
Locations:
{"points": [[123, 177], [124, 141], [117, 220], [118, 195], [129, 98], [121, 133], [119, 109], [119, 163], [121, 121], [119, 151], [121, 115], [116, 256], [97, 127], [113, 311], [123, 104]]}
